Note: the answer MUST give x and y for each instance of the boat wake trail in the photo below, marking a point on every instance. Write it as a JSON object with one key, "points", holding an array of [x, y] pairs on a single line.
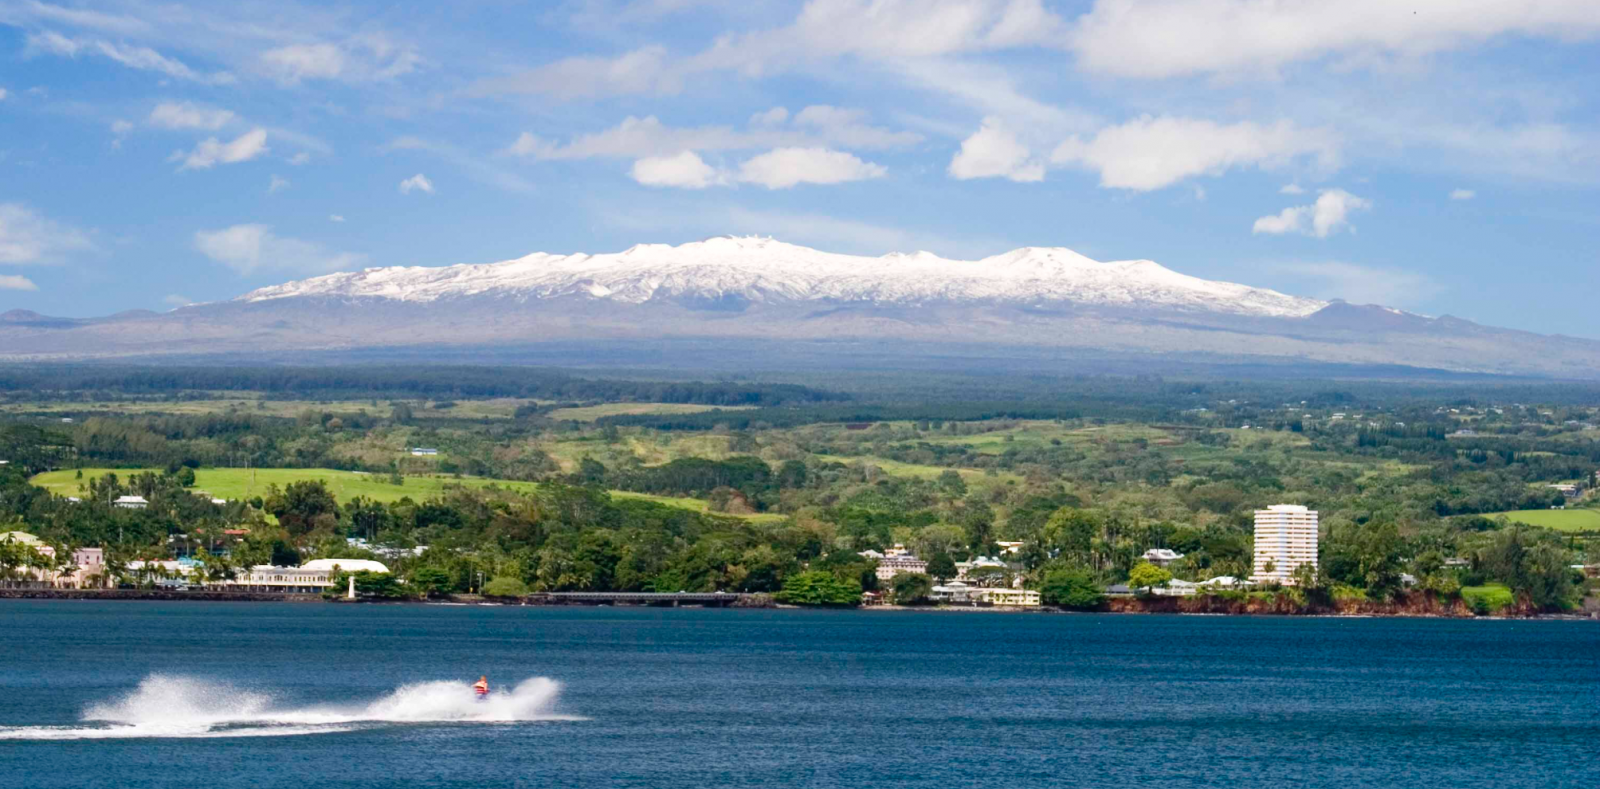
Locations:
{"points": [[172, 706]]}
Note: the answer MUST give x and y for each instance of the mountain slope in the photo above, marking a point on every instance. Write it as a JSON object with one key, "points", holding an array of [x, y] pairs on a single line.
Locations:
{"points": [[756, 302], [764, 270]]}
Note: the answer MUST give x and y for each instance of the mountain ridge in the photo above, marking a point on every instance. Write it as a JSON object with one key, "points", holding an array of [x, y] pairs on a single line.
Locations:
{"points": [[752, 298], [757, 269]]}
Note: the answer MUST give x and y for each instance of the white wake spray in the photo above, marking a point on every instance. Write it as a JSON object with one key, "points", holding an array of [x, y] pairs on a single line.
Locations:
{"points": [[170, 706]]}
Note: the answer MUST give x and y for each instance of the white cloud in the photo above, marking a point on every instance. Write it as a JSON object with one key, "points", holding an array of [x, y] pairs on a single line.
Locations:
{"points": [[780, 168], [1292, 189], [28, 238], [304, 61], [1153, 153], [16, 282], [300, 158], [642, 71], [121, 127], [177, 300], [1292, 219], [277, 184], [648, 137], [786, 167], [1327, 216], [188, 115], [418, 182], [1361, 284], [135, 57], [362, 58], [877, 30], [250, 248], [773, 117], [211, 151], [685, 170], [1462, 194], [3, 94], [994, 152], [335, 217], [886, 30], [1167, 38]]}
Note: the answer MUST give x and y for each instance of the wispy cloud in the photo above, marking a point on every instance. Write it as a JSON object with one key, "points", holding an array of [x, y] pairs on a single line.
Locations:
{"points": [[211, 151], [494, 174], [250, 248], [188, 115], [417, 183], [1360, 284], [28, 238], [134, 57]]}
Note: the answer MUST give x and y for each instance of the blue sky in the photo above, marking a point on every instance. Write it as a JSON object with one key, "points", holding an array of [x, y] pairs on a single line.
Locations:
{"points": [[1442, 156]]}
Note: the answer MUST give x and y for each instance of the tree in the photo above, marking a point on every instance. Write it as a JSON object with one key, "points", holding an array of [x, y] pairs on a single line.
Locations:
{"points": [[819, 588], [368, 584], [1070, 533], [505, 586], [941, 566], [1070, 588], [302, 506], [429, 581], [284, 555], [1147, 576], [952, 483], [186, 477], [911, 588]]}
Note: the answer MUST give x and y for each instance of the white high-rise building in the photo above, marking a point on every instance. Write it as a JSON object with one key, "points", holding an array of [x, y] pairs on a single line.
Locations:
{"points": [[1286, 537]]}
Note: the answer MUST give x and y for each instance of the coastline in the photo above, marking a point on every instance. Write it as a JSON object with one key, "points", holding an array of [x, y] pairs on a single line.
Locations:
{"points": [[1120, 605]]}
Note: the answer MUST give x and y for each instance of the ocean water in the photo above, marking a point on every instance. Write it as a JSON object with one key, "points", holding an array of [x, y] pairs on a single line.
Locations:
{"points": [[215, 695]]}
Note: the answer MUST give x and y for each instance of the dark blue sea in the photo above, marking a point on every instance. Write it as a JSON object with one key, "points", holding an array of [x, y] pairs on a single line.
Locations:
{"points": [[215, 695]]}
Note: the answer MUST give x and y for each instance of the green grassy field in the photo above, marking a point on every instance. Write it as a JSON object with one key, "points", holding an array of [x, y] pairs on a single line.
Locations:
{"points": [[236, 483], [593, 412], [1560, 520], [1497, 596], [895, 468], [698, 505], [649, 449]]}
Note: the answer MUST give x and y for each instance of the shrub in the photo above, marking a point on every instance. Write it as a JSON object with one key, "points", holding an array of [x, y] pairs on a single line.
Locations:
{"points": [[505, 586]]}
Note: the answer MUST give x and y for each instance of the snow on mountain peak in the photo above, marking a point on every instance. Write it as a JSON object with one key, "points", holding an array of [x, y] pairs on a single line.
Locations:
{"points": [[760, 269]]}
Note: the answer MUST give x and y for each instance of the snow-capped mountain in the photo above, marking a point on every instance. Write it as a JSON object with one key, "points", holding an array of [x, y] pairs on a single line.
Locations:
{"points": [[760, 304], [762, 270]]}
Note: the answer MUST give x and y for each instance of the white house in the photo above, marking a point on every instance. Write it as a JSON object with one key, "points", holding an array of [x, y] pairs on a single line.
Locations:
{"points": [[423, 451], [1161, 557], [964, 570], [895, 561], [131, 502], [269, 578], [1011, 598]]}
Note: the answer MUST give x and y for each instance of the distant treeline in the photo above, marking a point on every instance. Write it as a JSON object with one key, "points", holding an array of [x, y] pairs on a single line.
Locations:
{"points": [[847, 413], [397, 381]]}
